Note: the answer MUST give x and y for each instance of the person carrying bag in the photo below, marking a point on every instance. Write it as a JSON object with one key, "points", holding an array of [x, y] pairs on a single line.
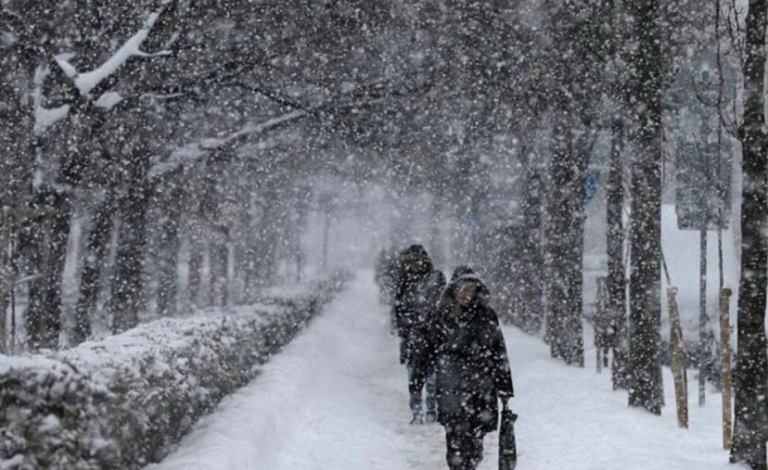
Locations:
{"points": [[465, 347]]}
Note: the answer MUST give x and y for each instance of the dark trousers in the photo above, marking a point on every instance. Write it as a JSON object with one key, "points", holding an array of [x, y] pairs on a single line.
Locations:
{"points": [[430, 388], [464, 446]]}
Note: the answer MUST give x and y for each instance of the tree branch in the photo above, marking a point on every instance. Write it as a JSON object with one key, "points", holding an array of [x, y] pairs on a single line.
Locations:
{"points": [[88, 81]]}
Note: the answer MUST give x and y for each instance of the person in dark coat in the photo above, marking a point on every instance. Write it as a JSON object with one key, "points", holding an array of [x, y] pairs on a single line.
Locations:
{"points": [[466, 349], [418, 291], [603, 325]]}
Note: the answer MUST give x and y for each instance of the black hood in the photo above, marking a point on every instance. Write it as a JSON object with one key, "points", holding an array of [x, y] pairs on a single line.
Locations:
{"points": [[415, 252], [482, 294]]}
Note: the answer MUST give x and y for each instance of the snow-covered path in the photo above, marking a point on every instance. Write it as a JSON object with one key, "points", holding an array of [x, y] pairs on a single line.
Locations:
{"points": [[336, 399]]}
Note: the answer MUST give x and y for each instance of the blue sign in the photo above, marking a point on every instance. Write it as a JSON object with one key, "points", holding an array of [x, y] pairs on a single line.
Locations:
{"points": [[590, 182]]}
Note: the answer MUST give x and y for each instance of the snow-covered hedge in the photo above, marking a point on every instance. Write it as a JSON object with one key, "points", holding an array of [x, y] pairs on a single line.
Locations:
{"points": [[123, 402]]}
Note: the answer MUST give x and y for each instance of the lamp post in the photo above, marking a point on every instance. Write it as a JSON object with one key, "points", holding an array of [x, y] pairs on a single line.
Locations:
{"points": [[325, 203]]}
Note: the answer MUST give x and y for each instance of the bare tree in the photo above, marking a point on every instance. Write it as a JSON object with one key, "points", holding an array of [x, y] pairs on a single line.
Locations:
{"points": [[646, 88]]}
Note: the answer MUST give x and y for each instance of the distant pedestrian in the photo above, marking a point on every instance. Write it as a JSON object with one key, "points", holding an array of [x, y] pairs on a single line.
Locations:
{"points": [[466, 349], [418, 291], [603, 325]]}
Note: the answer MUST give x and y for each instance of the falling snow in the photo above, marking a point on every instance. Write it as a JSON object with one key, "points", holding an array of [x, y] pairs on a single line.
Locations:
{"points": [[191, 190]]}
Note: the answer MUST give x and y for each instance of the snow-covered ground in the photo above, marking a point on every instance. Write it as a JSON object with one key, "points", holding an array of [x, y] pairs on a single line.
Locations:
{"points": [[336, 399], [681, 251]]}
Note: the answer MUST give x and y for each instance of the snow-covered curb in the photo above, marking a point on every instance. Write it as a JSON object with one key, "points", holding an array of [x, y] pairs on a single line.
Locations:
{"points": [[125, 401]]}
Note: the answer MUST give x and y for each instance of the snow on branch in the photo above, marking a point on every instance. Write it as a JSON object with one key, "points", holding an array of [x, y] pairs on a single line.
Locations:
{"points": [[261, 127], [62, 60], [44, 117], [192, 152], [88, 81]]}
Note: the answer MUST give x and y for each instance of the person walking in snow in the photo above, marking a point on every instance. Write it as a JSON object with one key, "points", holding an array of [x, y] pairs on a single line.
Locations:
{"points": [[465, 347], [603, 324], [418, 291]]}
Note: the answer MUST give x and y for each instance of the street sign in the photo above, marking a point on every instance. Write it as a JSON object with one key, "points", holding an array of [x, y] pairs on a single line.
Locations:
{"points": [[590, 182], [703, 192]]}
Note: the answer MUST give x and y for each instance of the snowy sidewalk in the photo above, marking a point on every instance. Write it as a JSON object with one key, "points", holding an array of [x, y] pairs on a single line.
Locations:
{"points": [[336, 399]]}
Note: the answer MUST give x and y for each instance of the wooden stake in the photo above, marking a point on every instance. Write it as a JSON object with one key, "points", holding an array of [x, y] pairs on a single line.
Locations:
{"points": [[725, 348], [678, 361]]}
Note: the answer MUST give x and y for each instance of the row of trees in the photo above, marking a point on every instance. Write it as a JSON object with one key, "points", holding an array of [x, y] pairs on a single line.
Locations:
{"points": [[585, 71], [634, 67], [171, 128]]}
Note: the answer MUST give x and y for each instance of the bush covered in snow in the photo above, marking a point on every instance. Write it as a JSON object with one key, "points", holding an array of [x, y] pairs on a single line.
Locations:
{"points": [[125, 401], [52, 417]]}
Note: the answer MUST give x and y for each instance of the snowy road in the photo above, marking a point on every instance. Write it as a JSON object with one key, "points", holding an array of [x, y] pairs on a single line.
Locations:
{"points": [[336, 399]]}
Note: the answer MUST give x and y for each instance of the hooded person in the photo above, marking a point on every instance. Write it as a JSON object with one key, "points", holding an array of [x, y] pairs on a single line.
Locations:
{"points": [[465, 349], [417, 294]]}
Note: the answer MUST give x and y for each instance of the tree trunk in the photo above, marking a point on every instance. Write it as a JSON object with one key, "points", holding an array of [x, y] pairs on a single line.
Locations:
{"points": [[54, 211], [751, 375], [127, 282], [268, 229], [48, 233], [566, 245], [43, 314], [246, 257], [531, 286], [95, 259], [616, 274], [645, 239], [196, 255], [219, 249], [168, 251], [170, 192]]}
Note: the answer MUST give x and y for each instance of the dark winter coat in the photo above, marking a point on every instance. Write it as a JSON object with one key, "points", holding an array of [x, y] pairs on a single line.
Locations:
{"points": [[466, 348], [416, 300]]}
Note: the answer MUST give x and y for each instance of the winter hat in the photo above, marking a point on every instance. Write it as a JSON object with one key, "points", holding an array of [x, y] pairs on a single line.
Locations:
{"points": [[460, 271], [482, 294]]}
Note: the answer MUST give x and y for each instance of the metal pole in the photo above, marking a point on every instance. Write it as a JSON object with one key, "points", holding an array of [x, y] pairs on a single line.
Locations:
{"points": [[325, 239], [13, 294], [720, 252], [703, 320], [6, 280]]}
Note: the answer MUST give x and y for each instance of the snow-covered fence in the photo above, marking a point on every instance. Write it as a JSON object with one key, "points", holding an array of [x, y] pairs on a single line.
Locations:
{"points": [[124, 401]]}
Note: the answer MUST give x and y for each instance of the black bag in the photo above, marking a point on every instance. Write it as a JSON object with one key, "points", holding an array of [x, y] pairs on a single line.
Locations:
{"points": [[507, 445]]}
